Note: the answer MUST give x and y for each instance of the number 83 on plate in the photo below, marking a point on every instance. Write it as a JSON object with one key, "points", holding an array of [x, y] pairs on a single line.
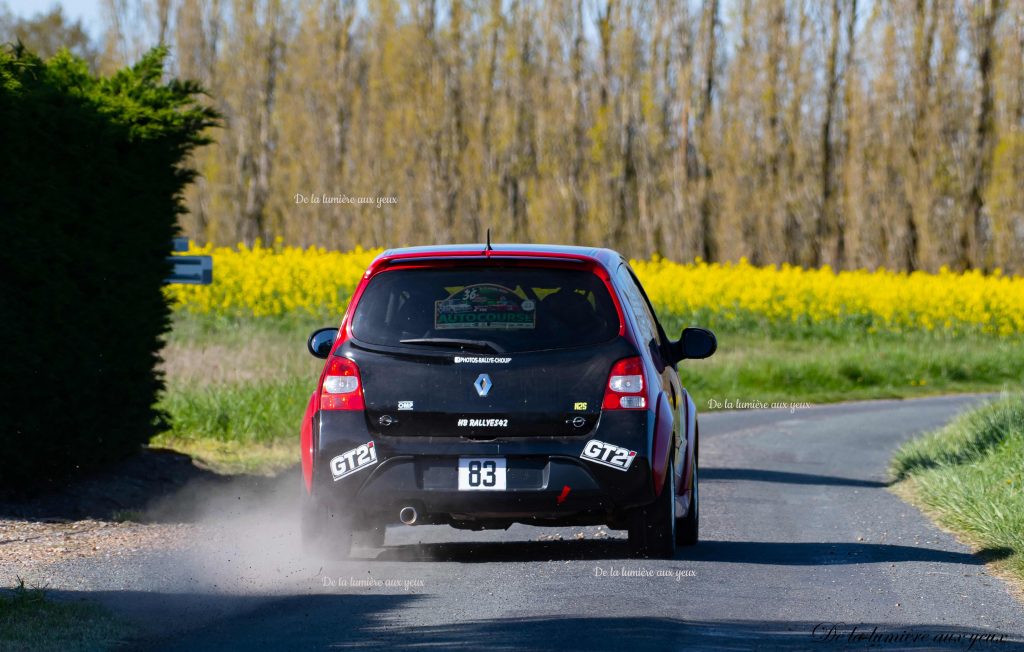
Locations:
{"points": [[482, 474]]}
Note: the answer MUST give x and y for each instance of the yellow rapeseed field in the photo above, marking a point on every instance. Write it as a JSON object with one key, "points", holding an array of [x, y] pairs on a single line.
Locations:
{"points": [[266, 281], [876, 301]]}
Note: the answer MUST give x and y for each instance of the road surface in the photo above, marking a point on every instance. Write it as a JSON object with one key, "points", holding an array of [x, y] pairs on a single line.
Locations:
{"points": [[803, 547]]}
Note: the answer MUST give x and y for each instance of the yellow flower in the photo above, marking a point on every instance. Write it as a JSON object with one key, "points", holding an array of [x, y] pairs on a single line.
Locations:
{"points": [[276, 280], [875, 301], [269, 281]]}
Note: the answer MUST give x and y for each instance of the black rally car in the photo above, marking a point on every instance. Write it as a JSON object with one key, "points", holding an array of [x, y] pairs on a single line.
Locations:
{"points": [[482, 386]]}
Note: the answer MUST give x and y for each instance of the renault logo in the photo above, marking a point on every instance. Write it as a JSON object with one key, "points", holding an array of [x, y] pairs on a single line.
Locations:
{"points": [[483, 384]]}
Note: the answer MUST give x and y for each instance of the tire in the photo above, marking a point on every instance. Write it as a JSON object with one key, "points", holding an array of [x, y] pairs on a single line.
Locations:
{"points": [[325, 533], [652, 532], [688, 526]]}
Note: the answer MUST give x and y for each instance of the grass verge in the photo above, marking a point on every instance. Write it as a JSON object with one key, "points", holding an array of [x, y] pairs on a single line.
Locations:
{"points": [[751, 367], [969, 476], [237, 457], [29, 621]]}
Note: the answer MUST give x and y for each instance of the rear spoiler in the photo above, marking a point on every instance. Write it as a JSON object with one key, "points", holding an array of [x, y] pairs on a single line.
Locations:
{"points": [[478, 257]]}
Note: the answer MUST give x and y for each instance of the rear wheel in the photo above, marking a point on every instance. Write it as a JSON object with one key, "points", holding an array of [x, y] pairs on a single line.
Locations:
{"points": [[687, 526], [652, 532]]}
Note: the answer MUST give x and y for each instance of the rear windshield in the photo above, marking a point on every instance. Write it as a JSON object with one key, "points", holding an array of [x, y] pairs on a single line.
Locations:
{"points": [[509, 309]]}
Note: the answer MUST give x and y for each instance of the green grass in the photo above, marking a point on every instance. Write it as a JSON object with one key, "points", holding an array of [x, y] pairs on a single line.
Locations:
{"points": [[769, 369], [969, 476], [258, 411], [237, 388], [29, 621], [249, 426]]}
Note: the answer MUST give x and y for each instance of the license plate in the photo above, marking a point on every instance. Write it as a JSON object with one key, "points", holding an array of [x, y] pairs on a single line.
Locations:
{"points": [[482, 474]]}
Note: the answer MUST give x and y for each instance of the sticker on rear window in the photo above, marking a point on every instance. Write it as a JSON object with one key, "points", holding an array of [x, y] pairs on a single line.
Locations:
{"points": [[484, 306]]}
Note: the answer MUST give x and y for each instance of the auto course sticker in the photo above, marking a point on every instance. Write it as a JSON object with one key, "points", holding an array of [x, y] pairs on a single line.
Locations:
{"points": [[485, 306], [354, 460]]}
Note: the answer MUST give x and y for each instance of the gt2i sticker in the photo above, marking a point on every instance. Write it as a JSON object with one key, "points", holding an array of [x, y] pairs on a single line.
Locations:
{"points": [[483, 423], [354, 460], [483, 306], [608, 454]]}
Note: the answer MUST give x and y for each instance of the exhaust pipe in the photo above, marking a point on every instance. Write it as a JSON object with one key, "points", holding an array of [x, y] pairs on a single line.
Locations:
{"points": [[407, 515]]}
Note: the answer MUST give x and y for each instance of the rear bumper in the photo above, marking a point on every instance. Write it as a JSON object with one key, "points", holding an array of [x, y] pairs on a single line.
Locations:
{"points": [[536, 490], [547, 480]]}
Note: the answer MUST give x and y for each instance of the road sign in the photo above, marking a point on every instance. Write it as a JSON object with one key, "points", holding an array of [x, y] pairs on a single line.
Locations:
{"points": [[193, 270], [179, 244]]}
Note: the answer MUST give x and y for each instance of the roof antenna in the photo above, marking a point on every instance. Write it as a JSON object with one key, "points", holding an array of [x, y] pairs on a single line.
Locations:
{"points": [[488, 247]]}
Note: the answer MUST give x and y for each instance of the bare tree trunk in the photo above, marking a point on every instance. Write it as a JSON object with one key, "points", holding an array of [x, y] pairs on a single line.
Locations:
{"points": [[256, 159], [521, 163], [972, 245], [115, 41], [917, 232], [792, 190], [847, 139], [197, 31], [341, 17], [827, 227], [709, 241], [682, 180], [163, 20], [487, 110], [578, 129], [763, 244], [455, 135], [613, 171], [1018, 27], [629, 222]]}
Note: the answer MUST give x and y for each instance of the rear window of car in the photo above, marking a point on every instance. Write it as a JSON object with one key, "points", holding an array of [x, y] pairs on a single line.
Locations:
{"points": [[512, 309]]}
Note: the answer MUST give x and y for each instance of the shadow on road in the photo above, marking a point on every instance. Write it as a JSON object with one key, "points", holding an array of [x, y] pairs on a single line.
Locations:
{"points": [[130, 486], [823, 554], [745, 552], [381, 622], [510, 551], [156, 486], [760, 475]]}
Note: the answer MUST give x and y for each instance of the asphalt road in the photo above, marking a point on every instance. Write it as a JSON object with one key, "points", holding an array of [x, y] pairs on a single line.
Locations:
{"points": [[803, 547]]}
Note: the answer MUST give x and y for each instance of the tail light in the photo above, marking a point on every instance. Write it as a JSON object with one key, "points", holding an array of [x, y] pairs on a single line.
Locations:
{"points": [[342, 388], [625, 389]]}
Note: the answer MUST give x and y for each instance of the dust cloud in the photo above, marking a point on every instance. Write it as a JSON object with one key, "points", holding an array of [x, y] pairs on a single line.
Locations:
{"points": [[247, 537]]}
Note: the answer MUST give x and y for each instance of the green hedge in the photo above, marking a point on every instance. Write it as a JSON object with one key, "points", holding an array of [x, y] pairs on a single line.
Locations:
{"points": [[91, 178]]}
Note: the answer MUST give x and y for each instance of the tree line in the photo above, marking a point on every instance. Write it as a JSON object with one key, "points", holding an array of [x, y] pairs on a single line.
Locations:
{"points": [[843, 132]]}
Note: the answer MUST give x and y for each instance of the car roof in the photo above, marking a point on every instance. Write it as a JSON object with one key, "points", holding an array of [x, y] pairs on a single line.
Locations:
{"points": [[607, 257]]}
